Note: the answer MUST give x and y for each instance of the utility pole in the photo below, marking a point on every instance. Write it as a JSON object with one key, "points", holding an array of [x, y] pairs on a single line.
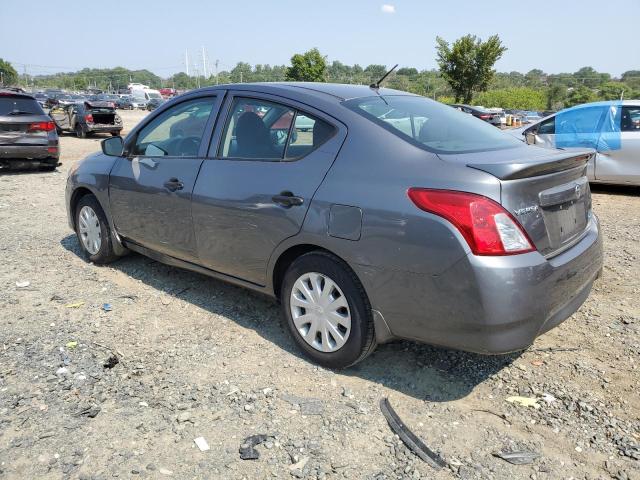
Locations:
{"points": [[240, 76], [217, 71], [186, 60], [204, 64]]}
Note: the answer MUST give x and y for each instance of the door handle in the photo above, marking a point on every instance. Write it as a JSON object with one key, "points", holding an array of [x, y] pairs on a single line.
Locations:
{"points": [[173, 184], [287, 200]]}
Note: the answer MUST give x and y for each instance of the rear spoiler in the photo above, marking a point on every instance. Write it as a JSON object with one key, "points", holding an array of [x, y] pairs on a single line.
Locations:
{"points": [[553, 163]]}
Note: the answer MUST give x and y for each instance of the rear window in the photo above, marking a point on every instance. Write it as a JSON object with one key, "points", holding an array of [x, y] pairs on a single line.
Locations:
{"points": [[431, 125], [10, 105]]}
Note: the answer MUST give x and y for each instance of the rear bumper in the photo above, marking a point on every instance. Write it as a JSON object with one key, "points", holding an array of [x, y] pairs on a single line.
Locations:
{"points": [[29, 152], [97, 128], [491, 305]]}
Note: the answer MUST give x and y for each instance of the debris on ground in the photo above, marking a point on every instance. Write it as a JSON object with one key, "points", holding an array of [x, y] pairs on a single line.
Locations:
{"points": [[201, 443], [247, 449], [416, 445], [74, 305], [524, 401], [107, 307], [23, 284], [518, 458], [111, 361]]}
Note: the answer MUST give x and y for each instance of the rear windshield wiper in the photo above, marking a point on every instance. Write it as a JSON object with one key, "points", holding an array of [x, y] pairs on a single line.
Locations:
{"points": [[21, 112]]}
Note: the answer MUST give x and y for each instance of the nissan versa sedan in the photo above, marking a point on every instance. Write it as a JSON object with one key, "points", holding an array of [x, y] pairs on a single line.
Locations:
{"points": [[611, 128], [439, 228]]}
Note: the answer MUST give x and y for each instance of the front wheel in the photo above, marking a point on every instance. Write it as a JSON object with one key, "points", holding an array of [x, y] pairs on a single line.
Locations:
{"points": [[327, 310], [93, 231]]}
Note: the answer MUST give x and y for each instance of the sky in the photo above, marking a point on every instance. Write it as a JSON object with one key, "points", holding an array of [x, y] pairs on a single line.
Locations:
{"points": [[555, 36]]}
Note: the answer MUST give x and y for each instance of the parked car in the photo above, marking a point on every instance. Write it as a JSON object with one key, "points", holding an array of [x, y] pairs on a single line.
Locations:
{"points": [[530, 117], [125, 103], [454, 233], [481, 113], [154, 103], [28, 137], [87, 118], [612, 128], [139, 103], [41, 98]]}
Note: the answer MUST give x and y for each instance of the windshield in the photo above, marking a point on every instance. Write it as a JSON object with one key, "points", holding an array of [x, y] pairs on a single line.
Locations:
{"points": [[432, 125], [12, 105], [153, 95]]}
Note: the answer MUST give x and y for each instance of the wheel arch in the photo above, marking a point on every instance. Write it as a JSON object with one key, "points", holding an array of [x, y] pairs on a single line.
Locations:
{"points": [[76, 196]]}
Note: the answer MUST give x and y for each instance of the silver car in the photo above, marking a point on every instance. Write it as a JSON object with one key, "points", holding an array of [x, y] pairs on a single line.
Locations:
{"points": [[611, 128], [393, 216]]}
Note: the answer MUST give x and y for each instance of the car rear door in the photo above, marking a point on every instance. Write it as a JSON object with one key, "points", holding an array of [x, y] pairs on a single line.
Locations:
{"points": [[150, 188], [255, 189], [621, 163]]}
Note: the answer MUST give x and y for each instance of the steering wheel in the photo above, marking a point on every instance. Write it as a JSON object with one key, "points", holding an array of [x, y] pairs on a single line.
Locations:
{"points": [[188, 146]]}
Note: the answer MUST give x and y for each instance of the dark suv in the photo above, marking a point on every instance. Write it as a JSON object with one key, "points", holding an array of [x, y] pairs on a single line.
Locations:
{"points": [[87, 117], [27, 135]]}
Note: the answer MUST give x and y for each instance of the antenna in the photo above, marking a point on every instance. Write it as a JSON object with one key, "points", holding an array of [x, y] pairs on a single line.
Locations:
{"points": [[376, 85]]}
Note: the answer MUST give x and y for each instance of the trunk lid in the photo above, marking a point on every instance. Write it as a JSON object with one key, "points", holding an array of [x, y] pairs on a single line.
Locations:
{"points": [[547, 191], [14, 130]]}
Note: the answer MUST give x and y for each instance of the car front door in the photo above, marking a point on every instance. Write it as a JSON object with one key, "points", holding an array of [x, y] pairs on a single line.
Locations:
{"points": [[150, 187], [266, 161], [621, 163]]}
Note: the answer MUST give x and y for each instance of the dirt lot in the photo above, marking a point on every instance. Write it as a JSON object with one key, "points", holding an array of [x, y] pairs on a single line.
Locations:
{"points": [[199, 358]]}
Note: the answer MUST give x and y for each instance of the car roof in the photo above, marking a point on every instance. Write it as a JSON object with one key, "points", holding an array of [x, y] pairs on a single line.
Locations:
{"points": [[338, 91], [10, 92]]}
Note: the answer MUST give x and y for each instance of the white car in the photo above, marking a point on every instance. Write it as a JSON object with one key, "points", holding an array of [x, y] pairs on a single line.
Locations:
{"points": [[612, 128]]}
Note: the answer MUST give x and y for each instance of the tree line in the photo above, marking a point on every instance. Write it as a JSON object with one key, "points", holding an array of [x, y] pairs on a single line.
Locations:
{"points": [[465, 74]]}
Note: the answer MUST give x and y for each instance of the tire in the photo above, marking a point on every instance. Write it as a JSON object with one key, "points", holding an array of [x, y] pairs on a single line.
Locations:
{"points": [[115, 134], [104, 253], [80, 133], [360, 341], [48, 168]]}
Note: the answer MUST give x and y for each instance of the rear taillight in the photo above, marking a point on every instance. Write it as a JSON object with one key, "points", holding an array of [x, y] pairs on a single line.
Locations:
{"points": [[42, 127], [486, 226], [484, 117], [88, 118]]}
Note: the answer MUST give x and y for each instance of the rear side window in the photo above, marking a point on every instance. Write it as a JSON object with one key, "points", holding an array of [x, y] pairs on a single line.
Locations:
{"points": [[260, 129], [580, 120], [432, 125], [630, 119], [10, 105]]}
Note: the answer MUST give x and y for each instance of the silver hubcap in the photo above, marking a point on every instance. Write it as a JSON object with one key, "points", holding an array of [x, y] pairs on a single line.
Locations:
{"points": [[89, 226], [320, 312]]}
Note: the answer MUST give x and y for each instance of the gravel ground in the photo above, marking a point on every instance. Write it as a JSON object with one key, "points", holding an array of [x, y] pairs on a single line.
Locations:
{"points": [[200, 358]]}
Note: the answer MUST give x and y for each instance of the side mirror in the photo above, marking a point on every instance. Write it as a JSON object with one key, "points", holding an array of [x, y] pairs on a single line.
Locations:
{"points": [[530, 138], [114, 146]]}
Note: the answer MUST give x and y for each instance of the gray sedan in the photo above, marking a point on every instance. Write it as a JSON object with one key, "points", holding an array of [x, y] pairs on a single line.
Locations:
{"points": [[611, 128], [371, 214]]}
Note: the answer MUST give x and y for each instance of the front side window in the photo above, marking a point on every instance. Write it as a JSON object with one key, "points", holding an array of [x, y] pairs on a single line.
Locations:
{"points": [[177, 132], [432, 125], [260, 129], [548, 127]]}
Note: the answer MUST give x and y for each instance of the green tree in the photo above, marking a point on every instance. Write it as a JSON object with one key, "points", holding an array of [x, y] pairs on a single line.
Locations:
{"points": [[8, 74], [580, 95], [589, 77], [613, 91], [521, 98], [310, 66], [556, 94], [467, 65]]}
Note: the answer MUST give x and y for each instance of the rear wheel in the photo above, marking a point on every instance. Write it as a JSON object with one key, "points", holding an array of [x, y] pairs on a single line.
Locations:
{"points": [[80, 133], [327, 310], [93, 231]]}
